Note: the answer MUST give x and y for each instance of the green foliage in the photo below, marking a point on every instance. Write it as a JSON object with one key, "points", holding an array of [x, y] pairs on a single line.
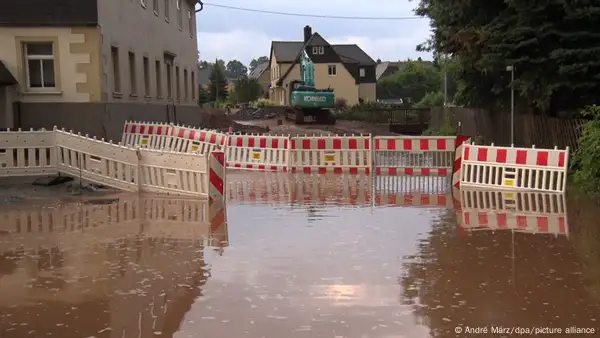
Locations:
{"points": [[203, 95], [255, 62], [218, 84], [370, 112], [553, 46], [245, 90], [431, 99], [263, 103], [412, 81], [235, 69], [586, 161], [446, 129]]}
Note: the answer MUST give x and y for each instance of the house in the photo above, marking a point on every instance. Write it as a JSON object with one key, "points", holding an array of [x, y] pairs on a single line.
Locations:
{"points": [[347, 69], [69, 57], [262, 73]]}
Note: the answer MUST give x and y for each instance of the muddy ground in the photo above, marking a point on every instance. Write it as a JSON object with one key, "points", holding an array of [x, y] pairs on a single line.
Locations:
{"points": [[271, 121]]}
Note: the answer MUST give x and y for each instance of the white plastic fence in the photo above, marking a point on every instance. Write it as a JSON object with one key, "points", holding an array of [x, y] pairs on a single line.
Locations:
{"points": [[27, 153], [532, 212], [514, 168], [125, 168]]}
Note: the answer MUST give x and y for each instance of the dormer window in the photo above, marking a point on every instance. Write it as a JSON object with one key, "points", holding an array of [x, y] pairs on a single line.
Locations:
{"points": [[318, 50]]}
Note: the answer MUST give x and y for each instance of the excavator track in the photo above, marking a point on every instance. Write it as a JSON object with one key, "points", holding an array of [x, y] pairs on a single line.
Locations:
{"points": [[310, 116]]}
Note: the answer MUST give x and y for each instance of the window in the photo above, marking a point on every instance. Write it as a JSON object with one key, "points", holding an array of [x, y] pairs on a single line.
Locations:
{"points": [[143, 2], [191, 22], [177, 83], [40, 66], [132, 75], [185, 85], [169, 68], [167, 10], [158, 70], [194, 86], [114, 53], [179, 15], [361, 72], [146, 76], [318, 50], [332, 70], [155, 6]]}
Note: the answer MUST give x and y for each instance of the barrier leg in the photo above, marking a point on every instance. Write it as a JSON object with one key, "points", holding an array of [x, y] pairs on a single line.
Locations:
{"points": [[216, 184]]}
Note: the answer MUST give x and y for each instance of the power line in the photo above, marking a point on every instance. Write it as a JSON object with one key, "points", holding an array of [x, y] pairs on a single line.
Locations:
{"points": [[313, 15]]}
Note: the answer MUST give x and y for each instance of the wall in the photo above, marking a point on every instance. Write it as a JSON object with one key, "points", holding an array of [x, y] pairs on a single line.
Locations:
{"points": [[104, 120], [126, 24], [538, 130], [76, 74], [367, 91], [343, 83]]}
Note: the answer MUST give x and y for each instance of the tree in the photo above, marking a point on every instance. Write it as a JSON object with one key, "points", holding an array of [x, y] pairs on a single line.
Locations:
{"points": [[260, 60], [218, 83], [552, 45], [236, 69], [412, 82], [245, 90], [203, 95]]}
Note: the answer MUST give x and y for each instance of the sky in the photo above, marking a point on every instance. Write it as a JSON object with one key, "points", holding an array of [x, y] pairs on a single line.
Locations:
{"points": [[232, 34]]}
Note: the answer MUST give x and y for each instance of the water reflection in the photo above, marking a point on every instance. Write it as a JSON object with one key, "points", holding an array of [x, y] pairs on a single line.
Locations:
{"points": [[131, 268]]}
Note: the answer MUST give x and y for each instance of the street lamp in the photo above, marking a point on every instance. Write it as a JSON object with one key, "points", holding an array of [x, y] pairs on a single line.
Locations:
{"points": [[511, 69]]}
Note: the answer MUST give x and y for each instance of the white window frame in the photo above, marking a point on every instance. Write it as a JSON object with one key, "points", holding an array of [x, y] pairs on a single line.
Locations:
{"points": [[40, 58], [361, 72], [179, 15], [143, 3], [318, 50], [331, 70], [156, 5], [191, 22]]}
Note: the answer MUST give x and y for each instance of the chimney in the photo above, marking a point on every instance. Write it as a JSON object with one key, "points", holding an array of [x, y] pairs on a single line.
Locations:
{"points": [[307, 33]]}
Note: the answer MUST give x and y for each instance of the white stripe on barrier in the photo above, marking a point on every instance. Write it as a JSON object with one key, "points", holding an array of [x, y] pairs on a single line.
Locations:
{"points": [[147, 135], [173, 173], [258, 152], [515, 168]]}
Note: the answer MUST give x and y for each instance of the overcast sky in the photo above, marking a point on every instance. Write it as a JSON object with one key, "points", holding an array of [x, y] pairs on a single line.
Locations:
{"points": [[231, 34]]}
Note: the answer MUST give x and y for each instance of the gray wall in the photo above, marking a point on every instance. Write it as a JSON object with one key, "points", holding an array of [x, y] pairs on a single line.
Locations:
{"points": [[103, 120], [126, 24]]}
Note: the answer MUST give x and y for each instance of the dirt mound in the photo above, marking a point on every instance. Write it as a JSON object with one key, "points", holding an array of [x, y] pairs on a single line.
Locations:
{"points": [[247, 114], [216, 119]]}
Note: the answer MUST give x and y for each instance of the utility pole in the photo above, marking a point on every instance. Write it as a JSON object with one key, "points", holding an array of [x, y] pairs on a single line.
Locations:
{"points": [[511, 69]]}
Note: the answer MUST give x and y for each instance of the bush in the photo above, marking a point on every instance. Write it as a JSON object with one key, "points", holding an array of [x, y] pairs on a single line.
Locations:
{"points": [[446, 129], [263, 103], [586, 161], [340, 103]]}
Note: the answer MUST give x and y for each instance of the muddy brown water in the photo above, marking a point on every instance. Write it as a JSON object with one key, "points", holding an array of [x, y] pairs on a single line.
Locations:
{"points": [[296, 256]]}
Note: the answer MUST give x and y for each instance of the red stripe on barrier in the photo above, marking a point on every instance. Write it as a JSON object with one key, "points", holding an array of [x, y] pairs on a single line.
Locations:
{"points": [[542, 158], [424, 144], [521, 157], [501, 156], [337, 144]]}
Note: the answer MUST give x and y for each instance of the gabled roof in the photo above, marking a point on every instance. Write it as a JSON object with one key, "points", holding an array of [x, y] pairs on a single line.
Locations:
{"points": [[286, 51], [354, 54], [259, 70]]}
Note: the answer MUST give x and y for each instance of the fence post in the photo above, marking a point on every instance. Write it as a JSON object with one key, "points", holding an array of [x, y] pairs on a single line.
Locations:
{"points": [[216, 177]]}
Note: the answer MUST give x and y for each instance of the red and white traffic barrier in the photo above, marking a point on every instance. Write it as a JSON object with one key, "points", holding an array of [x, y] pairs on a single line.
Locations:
{"points": [[514, 168], [414, 155], [532, 212], [458, 153], [337, 154], [219, 236], [216, 177], [191, 140], [258, 152], [147, 135]]}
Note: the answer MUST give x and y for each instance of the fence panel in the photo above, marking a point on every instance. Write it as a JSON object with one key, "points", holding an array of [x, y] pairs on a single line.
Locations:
{"points": [[190, 140], [514, 168], [174, 173], [97, 161], [258, 152], [336, 154], [414, 155], [27, 153]]}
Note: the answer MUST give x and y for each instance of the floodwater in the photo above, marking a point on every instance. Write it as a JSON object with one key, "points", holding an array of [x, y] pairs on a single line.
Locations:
{"points": [[301, 256]]}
